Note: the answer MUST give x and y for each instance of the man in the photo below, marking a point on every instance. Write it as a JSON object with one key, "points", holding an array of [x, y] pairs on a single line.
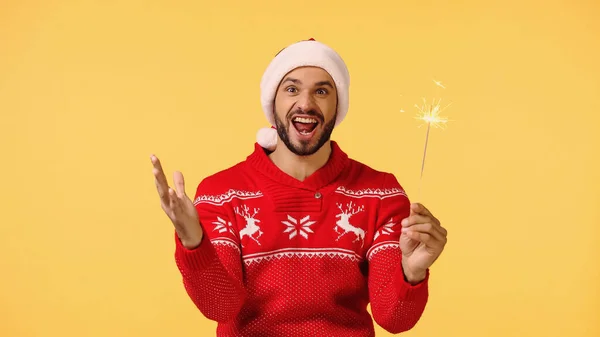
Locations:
{"points": [[298, 239]]}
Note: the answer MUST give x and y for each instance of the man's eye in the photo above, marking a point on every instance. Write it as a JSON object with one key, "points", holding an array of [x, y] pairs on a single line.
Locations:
{"points": [[321, 91], [291, 89]]}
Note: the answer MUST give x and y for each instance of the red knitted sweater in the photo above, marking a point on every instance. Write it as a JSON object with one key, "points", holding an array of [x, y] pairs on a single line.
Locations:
{"points": [[283, 257]]}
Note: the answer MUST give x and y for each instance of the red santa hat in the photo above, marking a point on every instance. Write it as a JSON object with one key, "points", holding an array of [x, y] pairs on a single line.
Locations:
{"points": [[301, 54]]}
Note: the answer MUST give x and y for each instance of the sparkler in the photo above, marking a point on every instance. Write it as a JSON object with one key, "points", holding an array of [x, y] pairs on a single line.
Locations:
{"points": [[430, 114]]}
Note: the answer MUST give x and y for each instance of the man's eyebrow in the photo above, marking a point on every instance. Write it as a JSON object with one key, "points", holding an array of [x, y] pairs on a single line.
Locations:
{"points": [[297, 81], [293, 80], [322, 83]]}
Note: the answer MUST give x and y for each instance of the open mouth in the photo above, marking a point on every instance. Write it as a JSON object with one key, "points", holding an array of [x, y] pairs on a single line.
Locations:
{"points": [[305, 125]]}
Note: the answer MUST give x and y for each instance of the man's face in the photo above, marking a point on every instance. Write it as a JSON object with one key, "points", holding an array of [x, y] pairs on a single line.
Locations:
{"points": [[305, 109]]}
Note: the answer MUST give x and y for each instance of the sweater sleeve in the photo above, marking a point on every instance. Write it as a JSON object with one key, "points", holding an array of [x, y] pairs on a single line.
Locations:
{"points": [[396, 304], [212, 272]]}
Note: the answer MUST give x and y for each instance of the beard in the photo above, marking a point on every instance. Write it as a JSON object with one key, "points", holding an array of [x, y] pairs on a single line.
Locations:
{"points": [[304, 148]]}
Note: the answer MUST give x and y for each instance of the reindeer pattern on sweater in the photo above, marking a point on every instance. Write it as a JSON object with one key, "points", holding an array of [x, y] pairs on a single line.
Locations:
{"points": [[283, 257]]}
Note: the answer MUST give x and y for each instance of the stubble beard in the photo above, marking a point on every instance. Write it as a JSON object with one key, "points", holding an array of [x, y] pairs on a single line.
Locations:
{"points": [[304, 148]]}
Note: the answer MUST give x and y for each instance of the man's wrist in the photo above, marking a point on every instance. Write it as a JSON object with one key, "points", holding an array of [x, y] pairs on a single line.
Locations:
{"points": [[191, 243], [414, 277]]}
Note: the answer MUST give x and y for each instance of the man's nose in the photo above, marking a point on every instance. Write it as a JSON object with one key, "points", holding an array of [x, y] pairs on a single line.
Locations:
{"points": [[306, 102]]}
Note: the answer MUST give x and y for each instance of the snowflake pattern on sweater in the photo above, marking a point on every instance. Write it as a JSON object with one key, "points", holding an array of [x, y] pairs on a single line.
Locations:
{"points": [[283, 257]]}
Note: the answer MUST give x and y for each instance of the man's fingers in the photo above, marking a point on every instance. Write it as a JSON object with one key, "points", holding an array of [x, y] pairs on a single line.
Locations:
{"points": [[418, 236], [179, 184], [416, 219], [427, 228], [174, 202], [426, 238], [443, 230], [160, 180], [419, 209], [156, 164], [162, 190]]}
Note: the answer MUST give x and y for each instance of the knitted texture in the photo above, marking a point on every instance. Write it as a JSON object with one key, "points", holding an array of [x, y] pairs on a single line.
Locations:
{"points": [[283, 257]]}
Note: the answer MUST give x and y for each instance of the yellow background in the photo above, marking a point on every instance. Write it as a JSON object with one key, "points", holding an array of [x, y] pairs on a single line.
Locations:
{"points": [[89, 89]]}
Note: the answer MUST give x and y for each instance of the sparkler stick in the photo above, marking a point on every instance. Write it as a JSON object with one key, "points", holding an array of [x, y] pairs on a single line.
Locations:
{"points": [[430, 114]]}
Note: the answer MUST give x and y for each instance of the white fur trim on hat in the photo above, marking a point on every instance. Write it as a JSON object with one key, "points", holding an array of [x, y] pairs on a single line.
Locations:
{"points": [[301, 54]]}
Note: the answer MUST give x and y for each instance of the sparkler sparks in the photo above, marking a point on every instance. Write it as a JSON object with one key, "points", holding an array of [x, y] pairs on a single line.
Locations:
{"points": [[430, 114], [439, 84]]}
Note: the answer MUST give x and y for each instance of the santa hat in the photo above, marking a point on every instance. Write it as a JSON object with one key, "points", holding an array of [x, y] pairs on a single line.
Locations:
{"points": [[301, 54]]}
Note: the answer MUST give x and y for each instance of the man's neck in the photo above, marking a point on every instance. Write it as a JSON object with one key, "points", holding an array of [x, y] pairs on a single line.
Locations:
{"points": [[300, 167]]}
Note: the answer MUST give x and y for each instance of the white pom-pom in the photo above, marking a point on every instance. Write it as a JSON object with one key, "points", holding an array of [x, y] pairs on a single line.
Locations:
{"points": [[267, 138]]}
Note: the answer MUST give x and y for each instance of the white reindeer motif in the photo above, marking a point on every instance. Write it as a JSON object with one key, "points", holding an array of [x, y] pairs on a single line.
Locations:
{"points": [[346, 226], [251, 226]]}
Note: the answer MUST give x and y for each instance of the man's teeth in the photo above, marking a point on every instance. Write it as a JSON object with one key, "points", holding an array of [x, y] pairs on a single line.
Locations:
{"points": [[305, 120]]}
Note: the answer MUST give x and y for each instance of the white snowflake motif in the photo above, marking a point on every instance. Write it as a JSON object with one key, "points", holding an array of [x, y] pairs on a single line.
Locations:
{"points": [[223, 226], [295, 227], [387, 229]]}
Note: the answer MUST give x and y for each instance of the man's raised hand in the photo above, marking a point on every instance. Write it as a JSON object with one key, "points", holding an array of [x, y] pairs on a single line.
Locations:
{"points": [[422, 241], [178, 206]]}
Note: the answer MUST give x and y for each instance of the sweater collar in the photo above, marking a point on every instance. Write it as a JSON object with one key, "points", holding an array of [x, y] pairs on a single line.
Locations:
{"points": [[337, 162]]}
